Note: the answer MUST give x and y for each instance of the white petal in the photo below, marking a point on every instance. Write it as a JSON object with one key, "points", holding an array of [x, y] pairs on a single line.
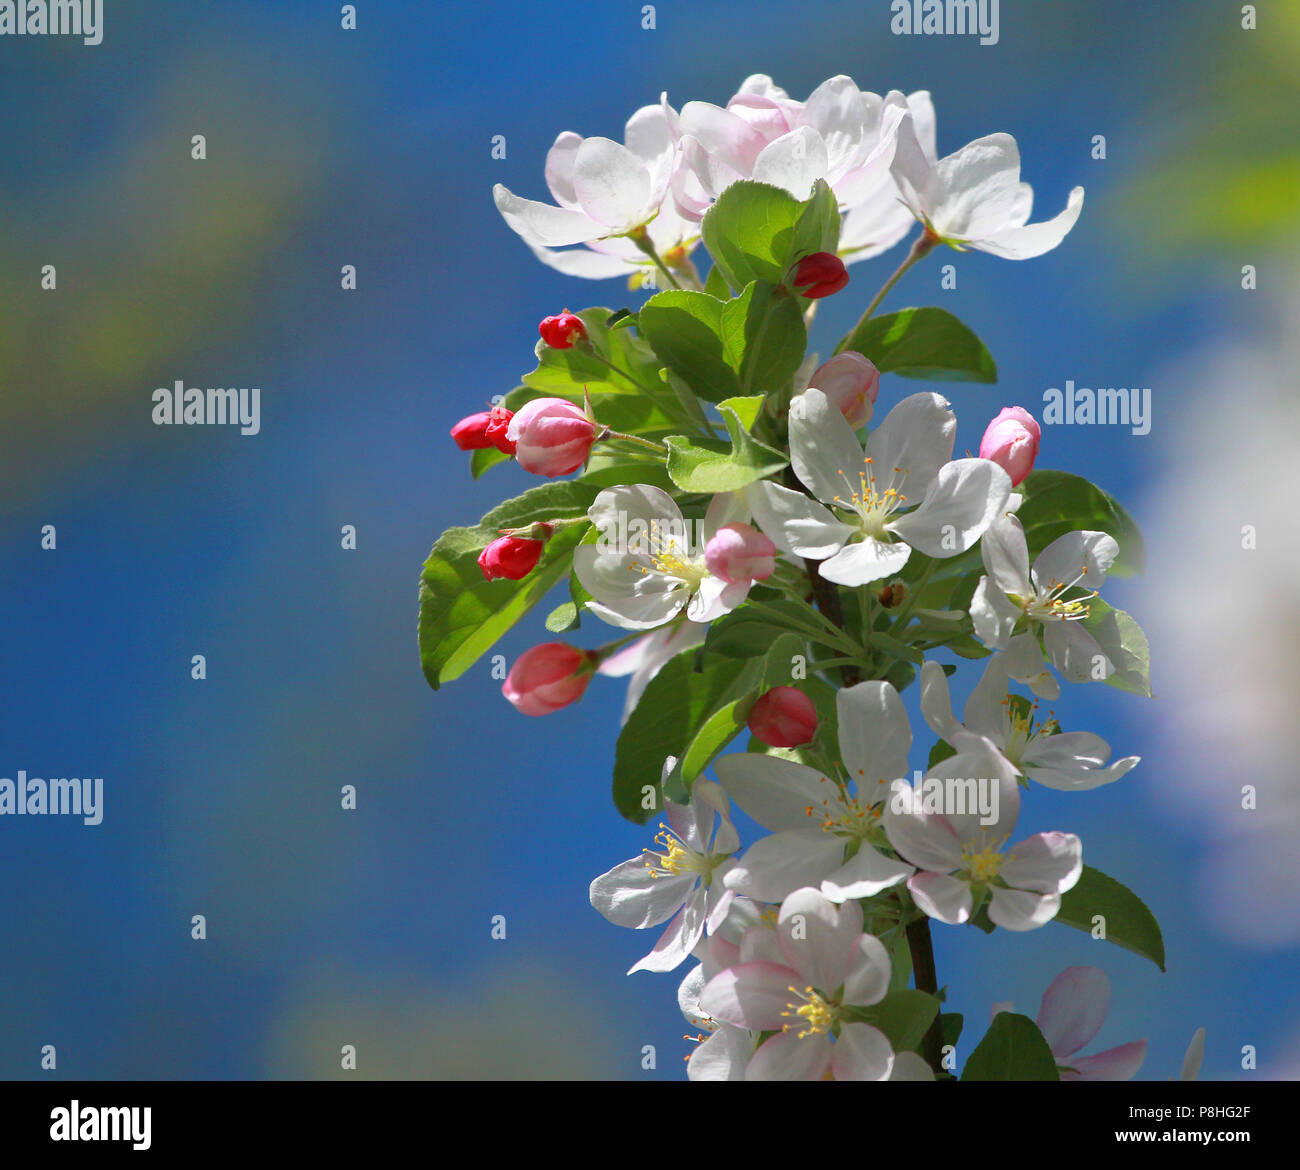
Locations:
{"points": [[794, 162], [866, 561], [1021, 910], [1024, 243], [875, 736], [819, 939], [936, 702], [1082, 558], [867, 980], [543, 224], [1075, 652], [943, 897], [1006, 556], [612, 184], [774, 792], [774, 867], [824, 451], [992, 614], [862, 1053], [722, 1057], [794, 522], [978, 189], [967, 496], [915, 437], [784, 1057], [629, 895], [865, 874], [679, 938], [1046, 863]]}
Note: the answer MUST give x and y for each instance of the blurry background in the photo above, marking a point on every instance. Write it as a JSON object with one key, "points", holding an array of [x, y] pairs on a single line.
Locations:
{"points": [[372, 148]]}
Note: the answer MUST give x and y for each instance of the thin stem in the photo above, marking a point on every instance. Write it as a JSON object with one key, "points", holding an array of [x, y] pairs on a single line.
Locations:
{"points": [[644, 244], [921, 947], [648, 444], [905, 611], [922, 247]]}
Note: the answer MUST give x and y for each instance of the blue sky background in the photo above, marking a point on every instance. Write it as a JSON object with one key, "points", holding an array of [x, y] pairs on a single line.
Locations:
{"points": [[222, 796]]}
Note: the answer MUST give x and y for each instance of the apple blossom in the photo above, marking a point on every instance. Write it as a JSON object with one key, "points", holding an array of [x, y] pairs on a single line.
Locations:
{"points": [[906, 463], [511, 557], [1012, 596], [974, 198], [645, 657], [552, 436], [681, 881], [852, 383], [548, 677], [655, 574], [1072, 1011], [959, 856], [823, 968], [1011, 441], [840, 134], [783, 717], [562, 330], [822, 833], [1071, 760], [739, 553], [607, 196]]}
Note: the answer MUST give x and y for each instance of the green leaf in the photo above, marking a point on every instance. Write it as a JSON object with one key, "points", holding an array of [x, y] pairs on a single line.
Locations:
{"points": [[709, 465], [745, 409], [903, 1016], [749, 232], [1124, 643], [485, 457], [765, 327], [561, 372], [942, 750], [925, 343], [672, 712], [1013, 1049], [1056, 502], [818, 226], [562, 618], [1129, 923], [719, 730], [716, 285], [951, 1024], [747, 632], [461, 614]]}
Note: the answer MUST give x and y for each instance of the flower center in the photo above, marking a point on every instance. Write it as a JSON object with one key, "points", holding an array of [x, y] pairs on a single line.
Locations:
{"points": [[1021, 728], [677, 857], [873, 503], [1048, 604], [984, 865], [843, 814], [812, 1014]]}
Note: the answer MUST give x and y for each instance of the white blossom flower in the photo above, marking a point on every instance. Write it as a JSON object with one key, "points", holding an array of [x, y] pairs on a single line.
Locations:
{"points": [[644, 658], [822, 833], [826, 968], [1067, 760], [605, 192], [974, 198], [840, 134], [903, 493], [1053, 595], [646, 569], [682, 881], [959, 855]]}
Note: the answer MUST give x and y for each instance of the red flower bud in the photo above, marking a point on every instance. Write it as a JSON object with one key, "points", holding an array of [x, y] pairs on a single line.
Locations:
{"points": [[819, 275], [485, 429], [548, 677], [562, 330], [512, 557], [783, 717]]}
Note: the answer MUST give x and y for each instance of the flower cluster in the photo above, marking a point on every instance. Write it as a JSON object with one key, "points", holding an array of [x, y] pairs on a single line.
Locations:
{"points": [[783, 553]]}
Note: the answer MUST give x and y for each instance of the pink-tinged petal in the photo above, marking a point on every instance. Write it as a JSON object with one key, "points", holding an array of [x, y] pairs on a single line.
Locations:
{"points": [[818, 938], [794, 162], [787, 1058], [752, 995], [729, 138], [776, 866], [981, 791], [1073, 1009], [719, 903], [862, 1053], [927, 841], [630, 895], [722, 1057], [542, 224], [1115, 1064], [868, 978], [559, 169], [1030, 240], [679, 939], [966, 497], [1046, 863], [946, 898], [1021, 910], [865, 874]]}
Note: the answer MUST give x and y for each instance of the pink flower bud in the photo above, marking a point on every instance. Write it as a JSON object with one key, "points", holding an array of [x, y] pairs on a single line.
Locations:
{"points": [[485, 429], [551, 436], [783, 717], [1011, 441], [562, 330], [851, 382], [739, 554], [548, 677], [512, 557], [819, 275]]}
